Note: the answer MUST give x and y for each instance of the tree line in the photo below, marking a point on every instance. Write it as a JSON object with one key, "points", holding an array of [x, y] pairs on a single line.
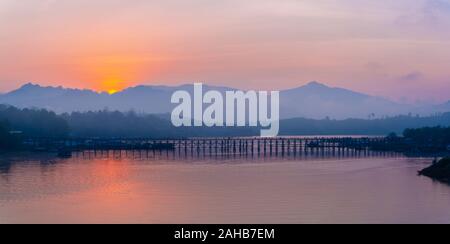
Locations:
{"points": [[34, 122], [114, 124], [7, 140], [40, 123], [429, 135], [397, 124]]}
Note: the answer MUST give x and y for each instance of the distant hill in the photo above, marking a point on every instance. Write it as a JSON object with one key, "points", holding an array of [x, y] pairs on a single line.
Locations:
{"points": [[318, 101], [397, 124], [314, 100], [444, 107], [57, 99]]}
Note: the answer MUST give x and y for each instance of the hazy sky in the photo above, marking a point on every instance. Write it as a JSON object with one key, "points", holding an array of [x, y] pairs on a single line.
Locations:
{"points": [[398, 49]]}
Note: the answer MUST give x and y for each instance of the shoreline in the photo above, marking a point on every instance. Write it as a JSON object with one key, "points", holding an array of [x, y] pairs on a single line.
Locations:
{"points": [[439, 170]]}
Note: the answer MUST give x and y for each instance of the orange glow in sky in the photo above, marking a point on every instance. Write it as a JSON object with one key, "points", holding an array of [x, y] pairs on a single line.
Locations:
{"points": [[111, 80], [111, 86], [387, 48]]}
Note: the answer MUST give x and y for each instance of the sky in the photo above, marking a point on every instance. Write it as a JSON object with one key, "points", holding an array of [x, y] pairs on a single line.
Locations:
{"points": [[395, 49]]}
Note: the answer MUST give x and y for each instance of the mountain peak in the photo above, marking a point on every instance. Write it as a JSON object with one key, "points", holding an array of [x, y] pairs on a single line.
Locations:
{"points": [[316, 84], [29, 86], [312, 100]]}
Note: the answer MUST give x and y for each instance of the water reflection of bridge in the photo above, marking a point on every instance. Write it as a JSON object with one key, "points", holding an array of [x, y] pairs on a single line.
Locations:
{"points": [[199, 155], [301, 146]]}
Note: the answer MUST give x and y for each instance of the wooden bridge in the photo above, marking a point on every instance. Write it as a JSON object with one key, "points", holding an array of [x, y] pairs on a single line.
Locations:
{"points": [[245, 145]]}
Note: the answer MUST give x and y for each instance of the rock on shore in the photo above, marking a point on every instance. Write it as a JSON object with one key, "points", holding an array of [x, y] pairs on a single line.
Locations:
{"points": [[439, 171]]}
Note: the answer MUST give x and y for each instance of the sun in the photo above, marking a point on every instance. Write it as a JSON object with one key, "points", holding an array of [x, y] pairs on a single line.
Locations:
{"points": [[112, 86], [112, 91]]}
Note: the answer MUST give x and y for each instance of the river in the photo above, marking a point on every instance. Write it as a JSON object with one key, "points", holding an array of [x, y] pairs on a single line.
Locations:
{"points": [[148, 187]]}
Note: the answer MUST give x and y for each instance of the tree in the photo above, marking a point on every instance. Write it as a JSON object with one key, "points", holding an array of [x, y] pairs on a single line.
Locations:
{"points": [[35, 122], [7, 140]]}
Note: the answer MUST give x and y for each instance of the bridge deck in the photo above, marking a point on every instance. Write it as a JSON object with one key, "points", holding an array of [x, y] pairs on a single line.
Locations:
{"points": [[212, 145]]}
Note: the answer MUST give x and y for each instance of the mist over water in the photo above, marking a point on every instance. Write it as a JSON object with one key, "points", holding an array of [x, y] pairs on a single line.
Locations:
{"points": [[173, 187]]}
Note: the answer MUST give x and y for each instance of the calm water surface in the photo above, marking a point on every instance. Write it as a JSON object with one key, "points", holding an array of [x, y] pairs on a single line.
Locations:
{"points": [[136, 188]]}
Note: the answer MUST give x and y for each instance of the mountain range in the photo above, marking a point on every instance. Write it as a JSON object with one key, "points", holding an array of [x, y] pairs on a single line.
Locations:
{"points": [[314, 100]]}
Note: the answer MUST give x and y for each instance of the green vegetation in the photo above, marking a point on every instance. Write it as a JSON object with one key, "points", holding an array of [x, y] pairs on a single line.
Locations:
{"points": [[107, 124], [427, 140], [34, 122], [40, 123], [5, 137], [398, 124], [432, 136], [17, 124], [113, 124]]}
